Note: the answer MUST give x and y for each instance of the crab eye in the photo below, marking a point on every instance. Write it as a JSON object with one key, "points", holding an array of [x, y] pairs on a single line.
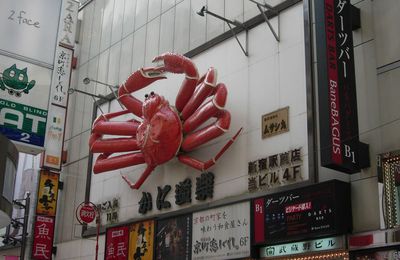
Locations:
{"points": [[12, 73], [146, 96], [152, 93], [21, 77]]}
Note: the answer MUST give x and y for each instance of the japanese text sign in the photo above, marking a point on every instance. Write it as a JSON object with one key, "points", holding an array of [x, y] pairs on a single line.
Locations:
{"points": [[222, 233], [275, 123], [174, 237], [61, 76], [338, 117], [117, 239], [47, 193], [43, 238], [316, 245], [276, 170], [320, 209], [141, 240]]}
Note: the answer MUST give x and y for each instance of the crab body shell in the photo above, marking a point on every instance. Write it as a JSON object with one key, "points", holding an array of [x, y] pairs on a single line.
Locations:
{"points": [[159, 136]]}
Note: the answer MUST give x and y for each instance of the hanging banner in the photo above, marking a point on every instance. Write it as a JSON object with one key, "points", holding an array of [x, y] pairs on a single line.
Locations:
{"points": [[338, 118], [68, 20], [117, 239], [29, 28], [24, 90], [222, 233], [174, 238], [43, 235], [47, 193], [141, 240], [317, 210]]}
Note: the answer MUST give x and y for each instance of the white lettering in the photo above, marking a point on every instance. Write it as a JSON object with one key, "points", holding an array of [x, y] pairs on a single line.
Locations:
{"points": [[18, 123], [35, 123]]}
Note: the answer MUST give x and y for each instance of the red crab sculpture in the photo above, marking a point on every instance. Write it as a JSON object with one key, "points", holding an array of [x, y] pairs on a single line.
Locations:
{"points": [[165, 131]]}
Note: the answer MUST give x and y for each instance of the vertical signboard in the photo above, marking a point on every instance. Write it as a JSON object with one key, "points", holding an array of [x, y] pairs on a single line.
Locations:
{"points": [[222, 233], [141, 240], [68, 20], [340, 146], [117, 239], [47, 193], [24, 89], [57, 108], [174, 237], [322, 209], [29, 28], [43, 238]]}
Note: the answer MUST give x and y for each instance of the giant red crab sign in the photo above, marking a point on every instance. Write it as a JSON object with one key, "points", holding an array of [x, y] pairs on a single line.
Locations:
{"points": [[165, 131]]}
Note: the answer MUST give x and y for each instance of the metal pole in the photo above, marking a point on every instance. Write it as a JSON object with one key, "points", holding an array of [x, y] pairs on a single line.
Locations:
{"points": [[98, 232], [25, 227]]}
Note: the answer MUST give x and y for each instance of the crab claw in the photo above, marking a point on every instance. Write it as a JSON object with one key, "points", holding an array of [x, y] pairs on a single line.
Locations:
{"points": [[175, 63]]}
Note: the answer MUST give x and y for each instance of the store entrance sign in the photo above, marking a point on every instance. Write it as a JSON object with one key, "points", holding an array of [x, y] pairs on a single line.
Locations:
{"points": [[316, 245]]}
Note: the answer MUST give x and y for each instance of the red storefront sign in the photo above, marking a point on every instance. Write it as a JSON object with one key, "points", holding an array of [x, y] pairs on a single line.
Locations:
{"points": [[117, 243], [43, 238]]}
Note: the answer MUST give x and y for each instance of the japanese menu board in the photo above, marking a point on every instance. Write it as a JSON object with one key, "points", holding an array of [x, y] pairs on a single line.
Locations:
{"points": [[222, 233], [117, 239], [141, 240], [174, 238], [321, 209]]}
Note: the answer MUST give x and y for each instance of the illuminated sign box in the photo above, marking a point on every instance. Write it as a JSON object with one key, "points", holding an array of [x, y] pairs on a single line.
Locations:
{"points": [[303, 247], [319, 210]]}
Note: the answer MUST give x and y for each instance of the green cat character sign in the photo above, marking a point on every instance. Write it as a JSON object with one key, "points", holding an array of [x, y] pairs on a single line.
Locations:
{"points": [[16, 81]]}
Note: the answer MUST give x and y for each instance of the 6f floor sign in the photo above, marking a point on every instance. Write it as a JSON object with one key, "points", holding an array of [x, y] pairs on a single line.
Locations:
{"points": [[22, 123]]}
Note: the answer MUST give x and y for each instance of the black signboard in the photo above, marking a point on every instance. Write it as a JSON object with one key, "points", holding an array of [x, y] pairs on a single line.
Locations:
{"points": [[174, 238], [318, 210], [338, 119]]}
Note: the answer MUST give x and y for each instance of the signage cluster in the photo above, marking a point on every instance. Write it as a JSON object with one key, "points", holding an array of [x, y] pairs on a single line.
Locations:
{"points": [[218, 233]]}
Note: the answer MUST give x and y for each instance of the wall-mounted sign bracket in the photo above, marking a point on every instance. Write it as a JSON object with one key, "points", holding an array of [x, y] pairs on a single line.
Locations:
{"points": [[231, 29], [272, 9]]}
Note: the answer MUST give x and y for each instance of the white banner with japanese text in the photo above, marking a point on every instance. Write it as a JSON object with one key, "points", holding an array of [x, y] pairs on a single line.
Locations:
{"points": [[222, 233]]}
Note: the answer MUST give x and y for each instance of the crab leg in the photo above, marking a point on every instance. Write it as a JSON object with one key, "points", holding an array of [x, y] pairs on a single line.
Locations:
{"points": [[207, 110], [203, 135], [102, 126], [176, 63], [142, 178], [104, 163], [202, 166], [138, 80], [204, 89]]}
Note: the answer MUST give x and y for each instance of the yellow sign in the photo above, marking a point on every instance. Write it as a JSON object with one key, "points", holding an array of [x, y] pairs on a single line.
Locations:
{"points": [[275, 123], [47, 194], [141, 240]]}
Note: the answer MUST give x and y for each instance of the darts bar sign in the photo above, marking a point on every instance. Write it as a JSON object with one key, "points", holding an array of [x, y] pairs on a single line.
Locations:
{"points": [[340, 146], [319, 210]]}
